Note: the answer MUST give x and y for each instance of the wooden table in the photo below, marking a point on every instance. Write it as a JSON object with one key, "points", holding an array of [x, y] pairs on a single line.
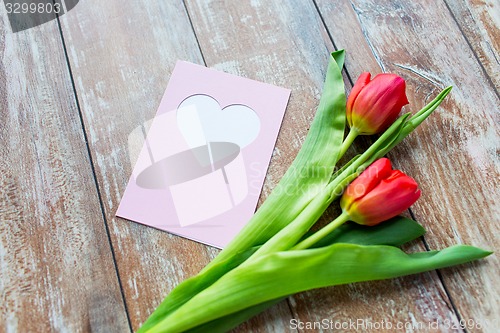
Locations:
{"points": [[73, 89]]}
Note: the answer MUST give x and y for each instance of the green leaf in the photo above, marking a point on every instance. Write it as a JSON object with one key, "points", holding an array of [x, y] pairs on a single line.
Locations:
{"points": [[418, 118], [378, 148], [285, 273], [304, 181], [307, 176], [186, 289], [229, 322], [310, 171], [396, 232], [346, 166]]}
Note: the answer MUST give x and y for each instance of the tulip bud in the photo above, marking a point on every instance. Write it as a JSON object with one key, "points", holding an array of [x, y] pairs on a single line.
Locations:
{"points": [[374, 105], [379, 194]]}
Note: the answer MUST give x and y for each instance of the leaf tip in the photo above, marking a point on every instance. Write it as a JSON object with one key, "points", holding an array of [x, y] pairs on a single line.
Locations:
{"points": [[446, 91]]}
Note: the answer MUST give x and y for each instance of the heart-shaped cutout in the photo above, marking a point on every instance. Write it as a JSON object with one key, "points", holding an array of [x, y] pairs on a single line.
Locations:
{"points": [[201, 120]]}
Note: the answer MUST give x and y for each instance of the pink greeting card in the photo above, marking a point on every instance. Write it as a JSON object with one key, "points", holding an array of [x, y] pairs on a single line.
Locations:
{"points": [[202, 166]]}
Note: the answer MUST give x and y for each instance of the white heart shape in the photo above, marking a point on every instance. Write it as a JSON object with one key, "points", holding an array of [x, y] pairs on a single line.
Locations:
{"points": [[201, 120]]}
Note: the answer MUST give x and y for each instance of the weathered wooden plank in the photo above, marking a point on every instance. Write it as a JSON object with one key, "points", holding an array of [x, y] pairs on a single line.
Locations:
{"points": [[285, 43], [479, 21], [56, 268], [454, 155], [237, 38], [121, 55]]}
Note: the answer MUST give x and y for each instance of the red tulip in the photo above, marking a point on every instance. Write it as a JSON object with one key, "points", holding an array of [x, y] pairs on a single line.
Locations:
{"points": [[379, 194], [374, 105]]}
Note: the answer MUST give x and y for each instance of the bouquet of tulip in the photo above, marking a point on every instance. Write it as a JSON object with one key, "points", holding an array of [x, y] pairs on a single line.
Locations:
{"points": [[276, 254]]}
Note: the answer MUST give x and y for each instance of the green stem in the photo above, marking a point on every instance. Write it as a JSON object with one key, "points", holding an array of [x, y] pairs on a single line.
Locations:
{"points": [[353, 134], [418, 118], [292, 233], [320, 234]]}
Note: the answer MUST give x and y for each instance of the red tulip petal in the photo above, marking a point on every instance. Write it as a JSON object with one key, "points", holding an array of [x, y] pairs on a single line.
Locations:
{"points": [[391, 197], [362, 81], [379, 103], [366, 181], [391, 102]]}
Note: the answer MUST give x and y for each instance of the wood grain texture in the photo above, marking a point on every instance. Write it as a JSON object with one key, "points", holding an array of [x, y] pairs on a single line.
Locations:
{"points": [[479, 21], [56, 269], [454, 155], [121, 56], [56, 265], [285, 43]]}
